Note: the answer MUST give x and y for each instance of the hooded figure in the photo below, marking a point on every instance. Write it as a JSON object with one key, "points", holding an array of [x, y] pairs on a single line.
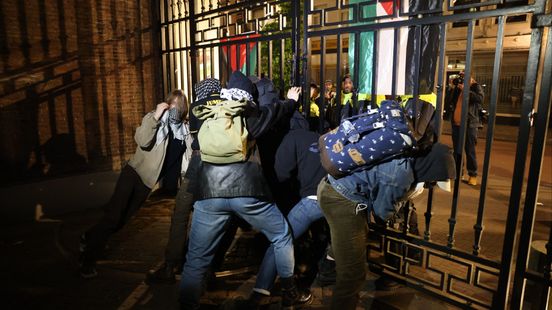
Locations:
{"points": [[267, 93], [238, 189]]}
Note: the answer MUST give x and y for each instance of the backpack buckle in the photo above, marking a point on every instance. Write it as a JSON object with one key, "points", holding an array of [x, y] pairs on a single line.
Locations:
{"points": [[350, 131], [395, 113]]}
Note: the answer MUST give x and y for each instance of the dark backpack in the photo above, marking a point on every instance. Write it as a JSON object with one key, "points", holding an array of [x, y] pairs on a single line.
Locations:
{"points": [[423, 126]]}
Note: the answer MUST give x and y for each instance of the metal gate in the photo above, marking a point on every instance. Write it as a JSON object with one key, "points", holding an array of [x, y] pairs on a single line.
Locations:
{"points": [[288, 40]]}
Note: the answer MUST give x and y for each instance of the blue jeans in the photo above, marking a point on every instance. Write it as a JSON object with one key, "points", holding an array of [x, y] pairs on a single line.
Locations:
{"points": [[209, 221], [379, 188], [303, 214]]}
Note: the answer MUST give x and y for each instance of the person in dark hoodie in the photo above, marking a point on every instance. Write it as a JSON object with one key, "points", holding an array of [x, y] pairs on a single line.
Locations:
{"points": [[297, 157], [238, 188], [268, 144]]}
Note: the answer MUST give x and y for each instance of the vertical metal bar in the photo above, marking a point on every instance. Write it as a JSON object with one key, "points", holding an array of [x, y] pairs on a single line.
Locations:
{"points": [[188, 62], [429, 208], [441, 83], [374, 89], [501, 295], [181, 71], [173, 45], [417, 59], [356, 72], [322, 108], [221, 61], [282, 59], [396, 51], [155, 8], [180, 58], [212, 63], [204, 57], [337, 100], [478, 227], [533, 181], [428, 214], [259, 59], [462, 136], [306, 53], [193, 48], [270, 60], [295, 39], [167, 47]]}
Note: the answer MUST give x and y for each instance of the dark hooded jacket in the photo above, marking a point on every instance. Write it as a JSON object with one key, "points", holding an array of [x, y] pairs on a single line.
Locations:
{"points": [[298, 156], [244, 179]]}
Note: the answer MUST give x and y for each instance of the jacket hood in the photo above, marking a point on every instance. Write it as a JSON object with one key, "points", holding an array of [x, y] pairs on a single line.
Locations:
{"points": [[267, 93], [297, 121], [240, 81]]}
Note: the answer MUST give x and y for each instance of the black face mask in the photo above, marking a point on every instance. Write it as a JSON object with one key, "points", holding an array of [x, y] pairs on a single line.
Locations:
{"points": [[175, 116]]}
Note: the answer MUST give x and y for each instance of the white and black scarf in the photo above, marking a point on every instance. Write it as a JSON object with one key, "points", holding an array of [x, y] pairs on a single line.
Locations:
{"points": [[235, 94], [180, 130]]}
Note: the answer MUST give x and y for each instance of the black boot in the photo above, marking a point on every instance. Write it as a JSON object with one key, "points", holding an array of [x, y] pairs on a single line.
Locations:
{"points": [[163, 275], [291, 296]]}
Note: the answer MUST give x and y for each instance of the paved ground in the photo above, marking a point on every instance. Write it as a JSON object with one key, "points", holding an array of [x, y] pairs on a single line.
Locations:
{"points": [[38, 261]]}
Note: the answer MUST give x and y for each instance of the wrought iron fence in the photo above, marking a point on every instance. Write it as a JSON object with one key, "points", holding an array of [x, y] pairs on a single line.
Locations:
{"points": [[391, 49]]}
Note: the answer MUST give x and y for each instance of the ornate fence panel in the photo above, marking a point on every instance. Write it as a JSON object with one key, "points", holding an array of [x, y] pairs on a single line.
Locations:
{"points": [[395, 49], [201, 39]]}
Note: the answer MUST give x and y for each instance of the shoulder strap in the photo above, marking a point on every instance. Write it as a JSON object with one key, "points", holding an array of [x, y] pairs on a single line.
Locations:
{"points": [[227, 109]]}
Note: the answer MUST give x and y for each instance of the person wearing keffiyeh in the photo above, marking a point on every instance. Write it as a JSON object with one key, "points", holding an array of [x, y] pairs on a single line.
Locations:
{"points": [[162, 139], [239, 189]]}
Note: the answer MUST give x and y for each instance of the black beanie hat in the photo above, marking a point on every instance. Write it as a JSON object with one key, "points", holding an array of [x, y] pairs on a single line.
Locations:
{"points": [[240, 81]]}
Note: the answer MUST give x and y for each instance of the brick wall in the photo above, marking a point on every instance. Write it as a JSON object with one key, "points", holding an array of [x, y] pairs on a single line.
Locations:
{"points": [[76, 77]]}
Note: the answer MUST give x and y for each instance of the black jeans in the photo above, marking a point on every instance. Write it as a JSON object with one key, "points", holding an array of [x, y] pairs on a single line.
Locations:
{"points": [[469, 147], [129, 195], [348, 234]]}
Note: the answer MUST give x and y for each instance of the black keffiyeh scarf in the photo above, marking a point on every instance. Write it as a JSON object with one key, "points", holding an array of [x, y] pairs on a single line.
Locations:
{"points": [[207, 87]]}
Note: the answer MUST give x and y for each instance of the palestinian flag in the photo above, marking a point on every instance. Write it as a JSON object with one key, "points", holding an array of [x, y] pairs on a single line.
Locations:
{"points": [[406, 45], [237, 62]]}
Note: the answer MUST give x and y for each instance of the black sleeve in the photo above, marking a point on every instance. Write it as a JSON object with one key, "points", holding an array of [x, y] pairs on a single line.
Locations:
{"points": [[261, 118], [285, 160], [194, 122]]}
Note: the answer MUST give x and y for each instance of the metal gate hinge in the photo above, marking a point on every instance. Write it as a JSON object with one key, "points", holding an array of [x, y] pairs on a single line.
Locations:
{"points": [[540, 21]]}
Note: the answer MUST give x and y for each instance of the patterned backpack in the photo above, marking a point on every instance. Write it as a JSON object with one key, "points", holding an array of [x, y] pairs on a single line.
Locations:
{"points": [[365, 140]]}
